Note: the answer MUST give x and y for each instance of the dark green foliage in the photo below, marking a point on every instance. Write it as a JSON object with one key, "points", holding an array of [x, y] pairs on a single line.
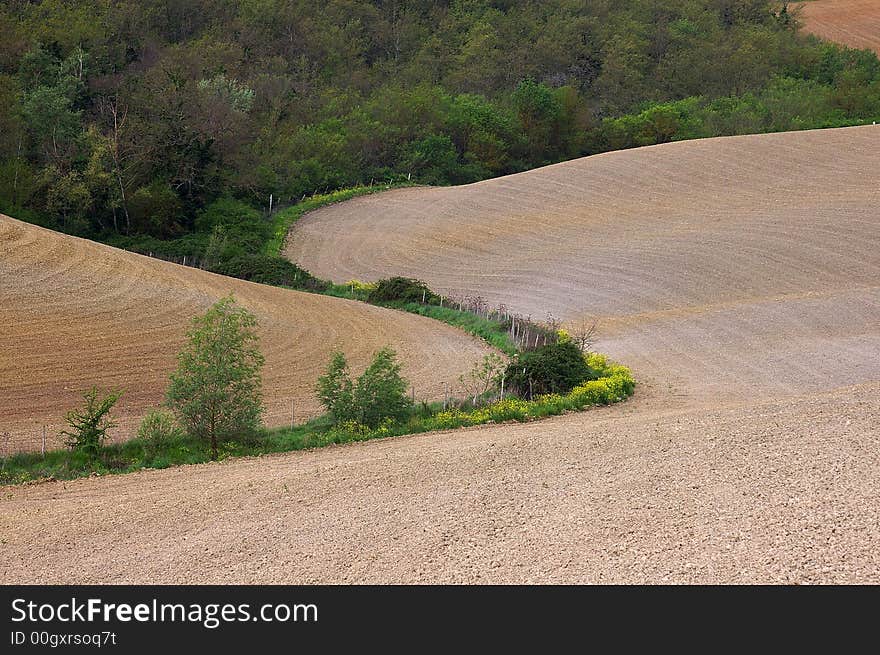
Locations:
{"points": [[554, 368], [88, 426], [402, 289], [170, 118], [268, 270]]}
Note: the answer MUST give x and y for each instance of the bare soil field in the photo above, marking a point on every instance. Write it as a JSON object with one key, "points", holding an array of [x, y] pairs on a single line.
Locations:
{"points": [[740, 266], [741, 279], [76, 313], [777, 492], [855, 23]]}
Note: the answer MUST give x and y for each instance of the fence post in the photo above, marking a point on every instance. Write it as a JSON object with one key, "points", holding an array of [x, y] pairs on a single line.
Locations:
{"points": [[43, 448], [502, 386]]}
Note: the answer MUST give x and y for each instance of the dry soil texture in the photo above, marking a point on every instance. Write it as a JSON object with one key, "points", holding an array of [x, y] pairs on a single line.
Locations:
{"points": [[774, 492], [738, 267], [740, 277], [855, 23], [76, 313]]}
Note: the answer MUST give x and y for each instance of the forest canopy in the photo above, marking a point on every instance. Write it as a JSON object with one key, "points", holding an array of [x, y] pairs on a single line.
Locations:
{"points": [[137, 117]]}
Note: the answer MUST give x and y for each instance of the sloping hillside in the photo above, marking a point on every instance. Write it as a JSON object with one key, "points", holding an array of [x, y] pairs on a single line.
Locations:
{"points": [[76, 313], [855, 23], [735, 266]]}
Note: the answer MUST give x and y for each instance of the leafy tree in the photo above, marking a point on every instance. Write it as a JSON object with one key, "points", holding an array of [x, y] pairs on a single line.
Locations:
{"points": [[379, 394], [336, 391], [402, 289], [485, 375], [216, 391], [88, 426]]}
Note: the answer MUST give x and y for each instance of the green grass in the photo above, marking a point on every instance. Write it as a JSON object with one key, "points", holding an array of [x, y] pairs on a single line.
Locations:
{"points": [[492, 332], [284, 219], [614, 384]]}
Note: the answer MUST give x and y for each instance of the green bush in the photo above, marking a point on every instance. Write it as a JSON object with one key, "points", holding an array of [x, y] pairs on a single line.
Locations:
{"points": [[157, 430], [554, 368], [378, 395], [88, 426], [402, 289], [268, 270], [335, 390], [216, 391]]}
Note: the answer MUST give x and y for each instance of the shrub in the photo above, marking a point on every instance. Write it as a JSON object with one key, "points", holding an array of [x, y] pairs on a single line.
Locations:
{"points": [[158, 429], [402, 289], [89, 425], [378, 396], [267, 270], [380, 393], [554, 368], [336, 391]]}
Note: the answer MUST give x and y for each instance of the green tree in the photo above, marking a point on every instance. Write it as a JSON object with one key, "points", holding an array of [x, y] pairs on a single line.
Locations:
{"points": [[88, 426], [554, 368], [335, 389], [380, 393], [216, 391]]}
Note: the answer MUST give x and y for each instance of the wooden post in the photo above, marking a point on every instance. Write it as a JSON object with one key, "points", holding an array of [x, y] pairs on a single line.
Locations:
{"points": [[424, 291], [43, 447], [502, 386]]}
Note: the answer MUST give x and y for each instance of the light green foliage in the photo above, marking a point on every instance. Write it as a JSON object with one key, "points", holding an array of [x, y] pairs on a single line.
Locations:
{"points": [[335, 390], [158, 428], [88, 426], [381, 393], [484, 376], [216, 391], [378, 395], [230, 91]]}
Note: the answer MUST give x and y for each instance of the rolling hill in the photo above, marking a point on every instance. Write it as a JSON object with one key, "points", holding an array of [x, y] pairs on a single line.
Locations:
{"points": [[739, 275], [77, 313], [726, 267], [855, 23]]}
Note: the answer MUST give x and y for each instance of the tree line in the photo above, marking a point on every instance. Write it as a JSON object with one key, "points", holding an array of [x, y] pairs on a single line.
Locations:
{"points": [[129, 119]]}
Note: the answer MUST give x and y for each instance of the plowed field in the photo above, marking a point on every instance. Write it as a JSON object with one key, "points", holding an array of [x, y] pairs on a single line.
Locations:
{"points": [[855, 23], [76, 313]]}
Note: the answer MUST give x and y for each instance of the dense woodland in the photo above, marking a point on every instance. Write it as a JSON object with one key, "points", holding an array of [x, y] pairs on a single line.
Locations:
{"points": [[127, 120]]}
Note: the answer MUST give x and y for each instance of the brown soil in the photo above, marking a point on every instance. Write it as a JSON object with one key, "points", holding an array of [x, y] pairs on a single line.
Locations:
{"points": [[738, 267], [741, 277], [76, 313], [783, 492], [855, 23]]}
